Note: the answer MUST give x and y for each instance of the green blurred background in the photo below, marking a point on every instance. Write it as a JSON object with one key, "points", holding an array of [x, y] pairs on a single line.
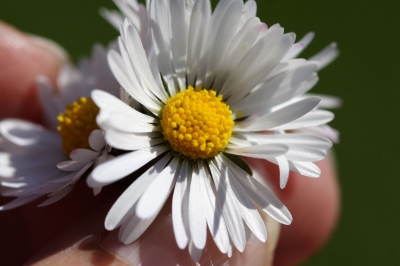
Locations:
{"points": [[366, 76]]}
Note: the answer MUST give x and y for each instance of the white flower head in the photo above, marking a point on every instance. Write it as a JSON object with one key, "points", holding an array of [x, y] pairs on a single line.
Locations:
{"points": [[212, 86], [36, 161]]}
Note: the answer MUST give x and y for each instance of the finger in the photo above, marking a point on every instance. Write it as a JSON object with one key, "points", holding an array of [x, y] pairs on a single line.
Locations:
{"points": [[22, 59], [314, 204], [88, 242]]}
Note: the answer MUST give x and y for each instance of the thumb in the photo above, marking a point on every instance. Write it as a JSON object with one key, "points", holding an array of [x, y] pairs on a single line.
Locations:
{"points": [[22, 58]]}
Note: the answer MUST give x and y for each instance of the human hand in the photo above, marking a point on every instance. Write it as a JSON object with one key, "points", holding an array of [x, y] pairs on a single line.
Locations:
{"points": [[71, 231]]}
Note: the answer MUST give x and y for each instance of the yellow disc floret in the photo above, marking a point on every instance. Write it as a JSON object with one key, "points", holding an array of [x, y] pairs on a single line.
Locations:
{"points": [[76, 124], [197, 123]]}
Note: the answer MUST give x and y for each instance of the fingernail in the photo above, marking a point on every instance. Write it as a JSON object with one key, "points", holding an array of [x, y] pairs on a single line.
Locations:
{"points": [[128, 253], [274, 229], [57, 49], [98, 254]]}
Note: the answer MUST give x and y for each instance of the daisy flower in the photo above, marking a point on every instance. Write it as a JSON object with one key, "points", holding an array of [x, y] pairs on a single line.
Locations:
{"points": [[36, 161], [220, 85]]}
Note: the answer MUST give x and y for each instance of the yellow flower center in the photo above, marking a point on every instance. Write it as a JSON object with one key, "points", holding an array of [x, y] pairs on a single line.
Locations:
{"points": [[76, 124], [197, 123]]}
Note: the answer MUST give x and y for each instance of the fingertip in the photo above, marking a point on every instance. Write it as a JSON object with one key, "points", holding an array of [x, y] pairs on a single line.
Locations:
{"points": [[22, 59], [314, 204]]}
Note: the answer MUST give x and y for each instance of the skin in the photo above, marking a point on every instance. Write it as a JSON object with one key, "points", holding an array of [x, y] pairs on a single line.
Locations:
{"points": [[71, 231]]}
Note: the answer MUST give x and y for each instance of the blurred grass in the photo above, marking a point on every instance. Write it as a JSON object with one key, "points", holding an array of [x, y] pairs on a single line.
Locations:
{"points": [[365, 75]]}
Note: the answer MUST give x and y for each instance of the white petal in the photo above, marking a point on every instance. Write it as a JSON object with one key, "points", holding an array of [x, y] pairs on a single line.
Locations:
{"points": [[255, 77], [101, 71], [11, 185], [287, 66], [303, 140], [283, 170], [4, 157], [109, 102], [50, 101], [199, 21], [325, 131], [81, 172], [259, 151], [83, 155], [248, 212], [123, 207], [328, 101], [279, 90], [215, 219], [177, 204], [132, 229], [179, 38], [326, 56], [251, 62], [239, 46], [224, 35], [216, 20], [156, 194], [73, 178], [19, 202], [64, 179], [113, 17], [195, 253], [123, 122], [70, 165], [303, 154], [57, 197], [96, 191], [160, 29], [38, 181], [132, 10], [132, 141], [280, 117], [24, 133], [297, 48], [312, 119], [305, 168], [25, 166], [130, 83], [261, 195], [197, 219], [122, 166], [254, 103], [141, 67], [96, 140], [234, 222], [250, 9], [7, 171]]}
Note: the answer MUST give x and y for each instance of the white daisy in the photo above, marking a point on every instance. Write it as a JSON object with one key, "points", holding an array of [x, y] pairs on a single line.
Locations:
{"points": [[34, 160], [220, 86]]}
